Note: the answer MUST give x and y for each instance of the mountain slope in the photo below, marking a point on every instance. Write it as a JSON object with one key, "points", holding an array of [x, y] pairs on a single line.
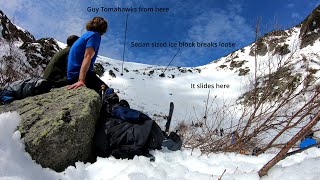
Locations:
{"points": [[226, 78], [288, 49], [21, 55], [288, 57]]}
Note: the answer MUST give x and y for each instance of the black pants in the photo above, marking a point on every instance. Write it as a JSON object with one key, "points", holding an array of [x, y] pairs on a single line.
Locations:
{"points": [[92, 81]]}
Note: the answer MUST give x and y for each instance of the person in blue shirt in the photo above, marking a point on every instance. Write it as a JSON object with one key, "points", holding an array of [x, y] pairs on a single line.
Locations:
{"points": [[83, 55], [307, 141]]}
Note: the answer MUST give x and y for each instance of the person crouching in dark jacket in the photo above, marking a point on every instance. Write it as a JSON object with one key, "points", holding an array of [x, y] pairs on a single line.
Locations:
{"points": [[56, 71]]}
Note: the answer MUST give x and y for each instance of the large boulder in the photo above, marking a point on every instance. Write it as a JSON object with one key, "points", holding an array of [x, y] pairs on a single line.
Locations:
{"points": [[58, 126]]}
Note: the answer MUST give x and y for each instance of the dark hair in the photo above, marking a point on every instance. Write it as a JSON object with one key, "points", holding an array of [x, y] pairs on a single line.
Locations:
{"points": [[98, 24], [71, 39]]}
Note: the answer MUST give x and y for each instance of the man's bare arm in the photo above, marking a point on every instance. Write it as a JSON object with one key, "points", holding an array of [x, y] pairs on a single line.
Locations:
{"points": [[88, 55]]}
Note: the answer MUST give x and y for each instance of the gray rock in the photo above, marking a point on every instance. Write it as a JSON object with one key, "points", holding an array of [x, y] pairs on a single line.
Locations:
{"points": [[98, 69], [58, 126], [310, 28], [10, 32], [39, 52]]}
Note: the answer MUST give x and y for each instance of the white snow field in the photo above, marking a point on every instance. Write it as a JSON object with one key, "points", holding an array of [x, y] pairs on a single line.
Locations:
{"points": [[16, 164]]}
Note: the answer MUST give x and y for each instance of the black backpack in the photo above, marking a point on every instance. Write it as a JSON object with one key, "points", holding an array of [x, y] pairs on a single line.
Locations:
{"points": [[124, 140], [124, 132]]}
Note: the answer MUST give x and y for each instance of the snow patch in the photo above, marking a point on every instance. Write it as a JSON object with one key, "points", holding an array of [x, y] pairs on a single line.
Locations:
{"points": [[61, 44]]}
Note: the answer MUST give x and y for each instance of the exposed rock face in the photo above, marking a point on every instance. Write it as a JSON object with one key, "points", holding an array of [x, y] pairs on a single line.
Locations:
{"points": [[260, 48], [275, 40], [282, 81], [39, 52], [271, 42], [11, 33], [98, 69], [58, 126], [310, 29], [22, 55]]}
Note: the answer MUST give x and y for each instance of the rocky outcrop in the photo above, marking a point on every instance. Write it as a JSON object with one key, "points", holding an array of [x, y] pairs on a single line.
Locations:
{"points": [[310, 28], [11, 32], [98, 69], [39, 52], [58, 126], [275, 40], [22, 55], [271, 42]]}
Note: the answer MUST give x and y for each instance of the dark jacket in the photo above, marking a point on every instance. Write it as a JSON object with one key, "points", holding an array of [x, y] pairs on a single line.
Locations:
{"points": [[56, 71]]}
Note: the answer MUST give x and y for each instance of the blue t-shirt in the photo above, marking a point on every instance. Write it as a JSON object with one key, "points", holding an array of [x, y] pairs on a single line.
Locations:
{"points": [[76, 54]]}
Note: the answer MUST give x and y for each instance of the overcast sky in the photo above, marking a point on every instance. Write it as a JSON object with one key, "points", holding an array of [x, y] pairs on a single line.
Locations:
{"points": [[227, 21]]}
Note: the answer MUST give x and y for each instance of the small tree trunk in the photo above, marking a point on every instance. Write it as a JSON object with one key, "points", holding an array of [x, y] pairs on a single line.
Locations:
{"points": [[282, 154]]}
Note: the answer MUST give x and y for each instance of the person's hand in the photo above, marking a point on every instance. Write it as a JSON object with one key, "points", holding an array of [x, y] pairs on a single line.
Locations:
{"points": [[76, 85]]}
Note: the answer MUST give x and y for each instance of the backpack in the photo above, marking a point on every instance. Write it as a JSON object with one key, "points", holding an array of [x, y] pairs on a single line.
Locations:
{"points": [[124, 132], [124, 140], [127, 114]]}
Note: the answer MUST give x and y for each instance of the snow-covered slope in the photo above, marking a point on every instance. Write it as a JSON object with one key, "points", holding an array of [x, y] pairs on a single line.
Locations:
{"points": [[145, 90], [224, 80]]}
